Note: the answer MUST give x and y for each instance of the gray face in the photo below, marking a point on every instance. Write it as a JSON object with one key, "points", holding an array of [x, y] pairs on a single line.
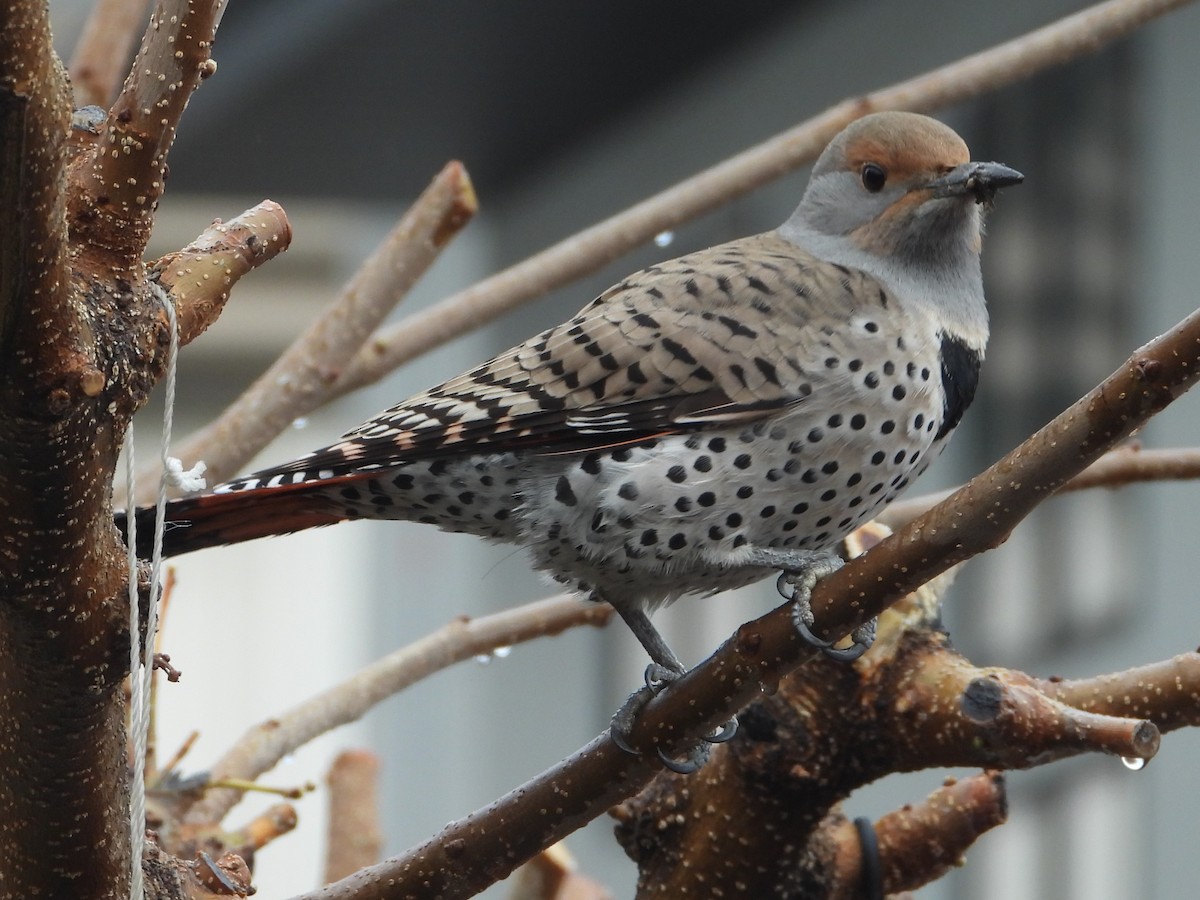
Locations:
{"points": [[837, 203]]}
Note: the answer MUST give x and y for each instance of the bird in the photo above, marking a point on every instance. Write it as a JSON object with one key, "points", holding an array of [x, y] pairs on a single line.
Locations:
{"points": [[705, 423]]}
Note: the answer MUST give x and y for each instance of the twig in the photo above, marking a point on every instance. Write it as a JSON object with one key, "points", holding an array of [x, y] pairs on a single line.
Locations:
{"points": [[102, 55], [354, 837], [473, 852], [586, 251], [300, 380], [1117, 468], [264, 745]]}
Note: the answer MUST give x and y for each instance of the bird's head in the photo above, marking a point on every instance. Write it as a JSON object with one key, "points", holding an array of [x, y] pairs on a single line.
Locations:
{"points": [[901, 187]]}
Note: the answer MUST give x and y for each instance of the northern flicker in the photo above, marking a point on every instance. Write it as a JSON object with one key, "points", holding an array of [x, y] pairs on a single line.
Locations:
{"points": [[706, 422]]}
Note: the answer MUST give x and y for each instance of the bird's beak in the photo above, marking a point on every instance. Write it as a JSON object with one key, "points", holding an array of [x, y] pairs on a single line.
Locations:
{"points": [[980, 179]]}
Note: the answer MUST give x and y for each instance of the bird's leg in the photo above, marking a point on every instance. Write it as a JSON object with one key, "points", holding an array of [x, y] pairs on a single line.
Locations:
{"points": [[660, 673], [802, 569]]}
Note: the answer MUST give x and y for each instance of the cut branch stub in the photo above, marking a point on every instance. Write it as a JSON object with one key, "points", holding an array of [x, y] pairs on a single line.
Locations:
{"points": [[201, 275]]}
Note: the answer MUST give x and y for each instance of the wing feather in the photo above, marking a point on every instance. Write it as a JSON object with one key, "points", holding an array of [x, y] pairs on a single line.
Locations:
{"points": [[725, 336]]}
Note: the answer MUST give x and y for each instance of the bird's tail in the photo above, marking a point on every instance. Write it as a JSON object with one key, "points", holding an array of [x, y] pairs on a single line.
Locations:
{"points": [[211, 520]]}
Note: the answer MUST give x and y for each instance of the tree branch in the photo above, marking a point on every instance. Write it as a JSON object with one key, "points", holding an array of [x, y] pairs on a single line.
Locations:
{"points": [[121, 176], [1117, 468], [264, 745], [34, 116], [586, 251], [920, 843], [1166, 692]]}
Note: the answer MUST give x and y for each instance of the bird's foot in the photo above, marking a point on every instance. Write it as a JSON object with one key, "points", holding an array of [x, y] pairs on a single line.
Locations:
{"points": [[658, 678], [801, 572]]}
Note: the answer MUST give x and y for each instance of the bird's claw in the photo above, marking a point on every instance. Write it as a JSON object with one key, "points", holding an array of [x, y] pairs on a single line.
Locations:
{"points": [[797, 586], [863, 637], [657, 678], [690, 764]]}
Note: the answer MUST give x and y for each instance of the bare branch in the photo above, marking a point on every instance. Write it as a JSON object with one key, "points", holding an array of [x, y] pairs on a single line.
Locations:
{"points": [[271, 823], [263, 746], [121, 177], [102, 55], [1074, 36], [301, 378], [355, 838], [1117, 468], [1167, 693]]}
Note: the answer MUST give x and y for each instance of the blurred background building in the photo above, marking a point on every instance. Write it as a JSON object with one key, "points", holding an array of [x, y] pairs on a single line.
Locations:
{"points": [[565, 114]]}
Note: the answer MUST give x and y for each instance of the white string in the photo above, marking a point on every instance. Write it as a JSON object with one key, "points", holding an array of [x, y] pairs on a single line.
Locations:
{"points": [[137, 783], [141, 667]]}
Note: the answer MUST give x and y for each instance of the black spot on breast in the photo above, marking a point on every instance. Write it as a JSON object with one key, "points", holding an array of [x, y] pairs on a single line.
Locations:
{"points": [[563, 493], [960, 376]]}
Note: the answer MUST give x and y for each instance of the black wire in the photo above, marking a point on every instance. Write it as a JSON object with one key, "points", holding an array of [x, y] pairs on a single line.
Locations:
{"points": [[872, 865]]}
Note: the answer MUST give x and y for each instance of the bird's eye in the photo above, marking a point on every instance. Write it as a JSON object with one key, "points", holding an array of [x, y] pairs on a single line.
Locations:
{"points": [[873, 177]]}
